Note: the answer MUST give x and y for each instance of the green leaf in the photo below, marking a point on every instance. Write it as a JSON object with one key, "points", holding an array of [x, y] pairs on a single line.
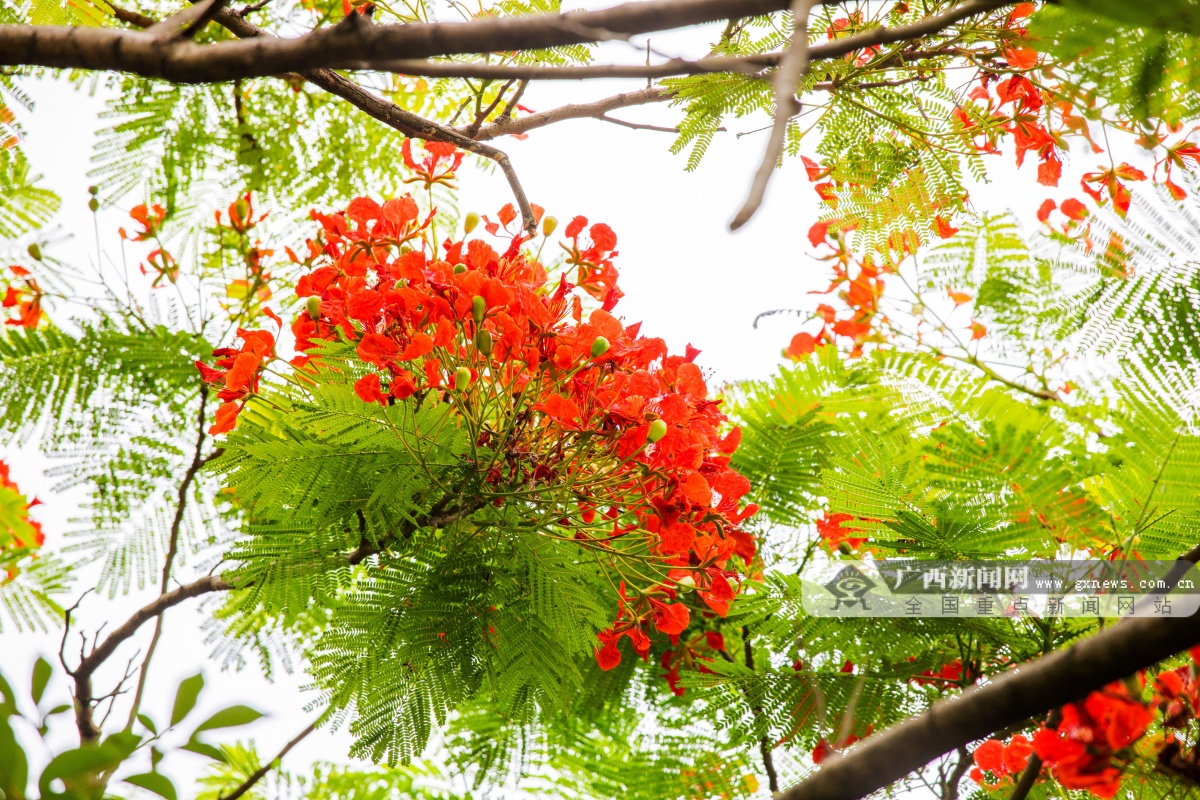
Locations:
{"points": [[185, 697], [148, 723], [202, 749], [41, 676], [1182, 16], [229, 718], [10, 699], [14, 767], [154, 782]]}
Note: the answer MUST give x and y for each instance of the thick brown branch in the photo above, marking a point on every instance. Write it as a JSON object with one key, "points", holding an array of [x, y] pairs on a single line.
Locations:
{"points": [[357, 43], [1027, 691]]}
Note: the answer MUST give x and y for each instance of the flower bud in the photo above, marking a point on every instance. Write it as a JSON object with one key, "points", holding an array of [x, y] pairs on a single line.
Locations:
{"points": [[35, 252], [314, 308], [93, 205], [483, 342], [462, 378], [400, 284], [549, 225], [687, 582], [478, 308], [657, 430], [845, 549], [470, 222], [459, 269], [599, 346], [242, 208], [93, 190]]}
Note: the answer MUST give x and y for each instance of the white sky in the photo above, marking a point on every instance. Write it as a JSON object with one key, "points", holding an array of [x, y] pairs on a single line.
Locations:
{"points": [[683, 273]]}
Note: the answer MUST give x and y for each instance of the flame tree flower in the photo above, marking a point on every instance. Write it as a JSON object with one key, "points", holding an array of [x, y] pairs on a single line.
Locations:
{"points": [[511, 408], [20, 536]]}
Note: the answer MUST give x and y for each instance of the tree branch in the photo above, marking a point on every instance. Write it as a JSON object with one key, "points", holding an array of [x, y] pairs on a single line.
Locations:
{"points": [[262, 771], [792, 68], [391, 114], [89, 663], [354, 43], [596, 110], [1029, 690], [357, 43]]}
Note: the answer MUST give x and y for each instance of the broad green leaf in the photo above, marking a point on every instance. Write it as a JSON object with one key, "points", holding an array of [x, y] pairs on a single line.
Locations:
{"points": [[185, 697], [202, 749], [154, 782], [41, 676], [148, 723], [14, 767], [229, 718]]}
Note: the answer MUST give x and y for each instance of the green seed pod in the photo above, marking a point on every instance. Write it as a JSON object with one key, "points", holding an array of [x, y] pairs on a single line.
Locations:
{"points": [[462, 379], [549, 225], [483, 342], [478, 309], [314, 307], [35, 252], [93, 205], [93, 190], [470, 222], [599, 346], [658, 429], [459, 269]]}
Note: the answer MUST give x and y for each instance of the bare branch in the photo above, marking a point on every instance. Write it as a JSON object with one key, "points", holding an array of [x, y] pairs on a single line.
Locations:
{"points": [[1029, 690], [262, 771], [392, 115], [90, 662], [791, 69], [596, 110], [181, 499]]}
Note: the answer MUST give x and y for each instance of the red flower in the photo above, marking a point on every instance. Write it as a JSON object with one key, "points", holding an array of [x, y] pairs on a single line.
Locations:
{"points": [[600, 428]]}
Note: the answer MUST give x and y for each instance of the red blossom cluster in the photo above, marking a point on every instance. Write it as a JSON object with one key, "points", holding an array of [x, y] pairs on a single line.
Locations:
{"points": [[1089, 747], [237, 373], [946, 675], [824, 749], [836, 537], [1002, 761], [617, 434], [690, 655], [25, 298], [858, 285], [18, 532]]}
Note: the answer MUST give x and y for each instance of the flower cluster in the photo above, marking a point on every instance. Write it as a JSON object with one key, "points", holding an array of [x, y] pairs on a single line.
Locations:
{"points": [[237, 374], [19, 535], [1089, 747], [615, 440], [1000, 761], [25, 297]]}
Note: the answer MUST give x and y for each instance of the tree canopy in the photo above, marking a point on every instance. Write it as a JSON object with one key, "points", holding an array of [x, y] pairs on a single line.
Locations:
{"points": [[519, 545]]}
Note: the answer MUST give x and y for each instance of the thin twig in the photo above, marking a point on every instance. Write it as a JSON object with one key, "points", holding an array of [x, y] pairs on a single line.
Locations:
{"points": [[181, 499], [262, 771], [791, 69]]}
